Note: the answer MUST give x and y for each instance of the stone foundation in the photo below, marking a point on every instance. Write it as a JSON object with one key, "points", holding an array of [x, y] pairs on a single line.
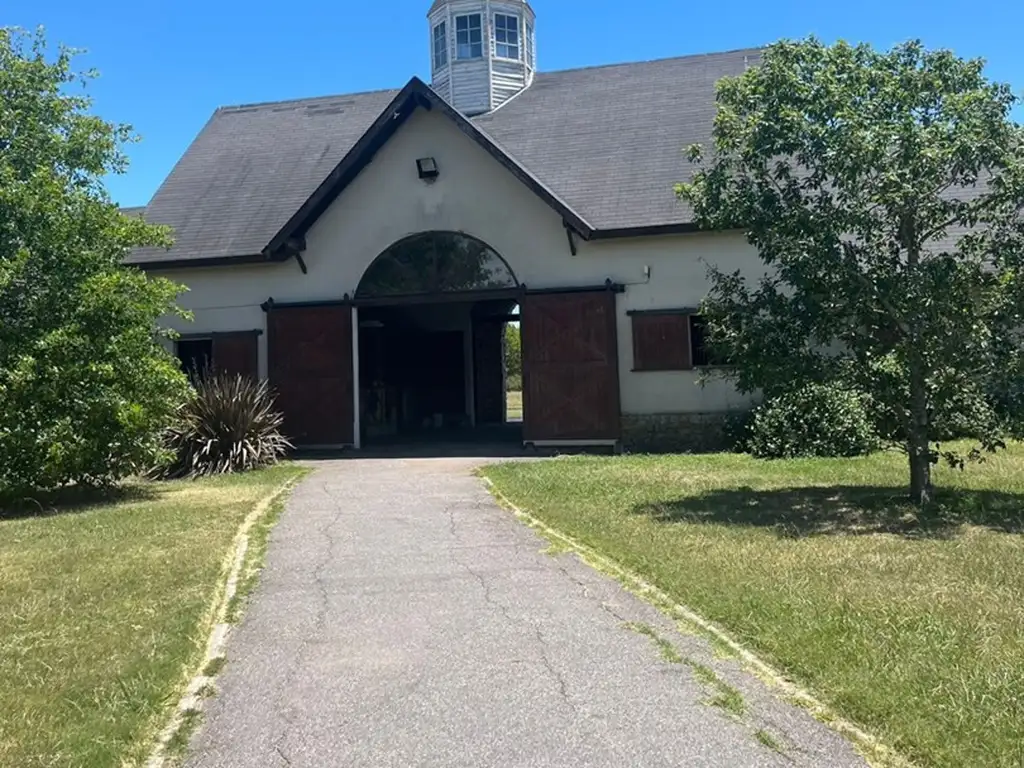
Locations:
{"points": [[674, 432]]}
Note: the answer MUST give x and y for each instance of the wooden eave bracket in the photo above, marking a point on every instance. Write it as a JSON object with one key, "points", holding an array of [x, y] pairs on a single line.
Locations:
{"points": [[291, 248], [570, 234]]}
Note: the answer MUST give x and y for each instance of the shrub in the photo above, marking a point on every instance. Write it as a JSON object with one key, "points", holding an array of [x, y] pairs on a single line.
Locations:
{"points": [[228, 425], [814, 420], [513, 351], [86, 388], [736, 429]]}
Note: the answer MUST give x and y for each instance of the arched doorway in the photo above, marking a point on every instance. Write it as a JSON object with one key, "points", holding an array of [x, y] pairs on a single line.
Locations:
{"points": [[432, 310]]}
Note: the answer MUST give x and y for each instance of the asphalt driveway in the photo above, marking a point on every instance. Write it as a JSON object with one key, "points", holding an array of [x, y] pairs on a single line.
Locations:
{"points": [[404, 619]]}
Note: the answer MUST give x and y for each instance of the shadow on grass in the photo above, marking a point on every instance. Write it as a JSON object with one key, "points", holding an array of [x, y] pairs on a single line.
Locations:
{"points": [[851, 510], [71, 500]]}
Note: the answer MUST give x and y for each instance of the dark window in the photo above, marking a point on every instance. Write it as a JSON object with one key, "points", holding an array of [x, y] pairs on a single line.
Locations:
{"points": [[698, 341], [469, 38], [703, 355], [506, 36], [196, 355], [441, 45]]}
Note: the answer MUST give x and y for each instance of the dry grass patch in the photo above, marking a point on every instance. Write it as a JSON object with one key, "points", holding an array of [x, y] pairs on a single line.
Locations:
{"points": [[102, 612], [911, 625]]}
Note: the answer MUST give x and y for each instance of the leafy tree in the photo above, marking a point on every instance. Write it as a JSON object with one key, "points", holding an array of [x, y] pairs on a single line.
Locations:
{"points": [[883, 191], [513, 351], [85, 384]]}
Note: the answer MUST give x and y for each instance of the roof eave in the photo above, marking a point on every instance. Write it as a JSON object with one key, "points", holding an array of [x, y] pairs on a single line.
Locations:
{"points": [[190, 263], [649, 230]]}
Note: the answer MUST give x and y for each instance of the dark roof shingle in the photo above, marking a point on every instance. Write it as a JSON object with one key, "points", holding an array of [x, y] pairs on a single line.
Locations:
{"points": [[607, 140], [610, 140]]}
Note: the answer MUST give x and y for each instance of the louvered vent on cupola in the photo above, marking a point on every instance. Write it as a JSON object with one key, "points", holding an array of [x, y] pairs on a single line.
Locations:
{"points": [[482, 52]]}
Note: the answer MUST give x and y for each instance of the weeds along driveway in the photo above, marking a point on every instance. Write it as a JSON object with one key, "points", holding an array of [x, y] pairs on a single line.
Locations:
{"points": [[405, 619], [908, 621], [102, 599]]}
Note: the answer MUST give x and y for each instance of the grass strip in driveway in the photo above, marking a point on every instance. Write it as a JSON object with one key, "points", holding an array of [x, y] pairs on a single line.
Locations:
{"points": [[913, 628], [103, 609]]}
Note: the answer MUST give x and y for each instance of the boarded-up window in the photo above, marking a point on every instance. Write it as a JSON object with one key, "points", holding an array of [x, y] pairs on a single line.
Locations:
{"points": [[236, 353], [231, 353], [671, 340], [661, 341]]}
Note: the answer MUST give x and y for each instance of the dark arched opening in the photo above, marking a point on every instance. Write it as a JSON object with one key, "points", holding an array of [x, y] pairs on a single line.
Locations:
{"points": [[435, 263], [433, 308]]}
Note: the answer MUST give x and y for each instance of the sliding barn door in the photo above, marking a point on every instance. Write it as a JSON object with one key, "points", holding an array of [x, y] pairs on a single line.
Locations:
{"points": [[570, 367], [309, 352]]}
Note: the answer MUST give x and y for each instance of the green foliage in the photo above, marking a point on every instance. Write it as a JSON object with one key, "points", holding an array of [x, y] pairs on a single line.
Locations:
{"points": [[815, 420], [85, 385], [513, 352], [736, 429], [229, 425], [883, 192]]}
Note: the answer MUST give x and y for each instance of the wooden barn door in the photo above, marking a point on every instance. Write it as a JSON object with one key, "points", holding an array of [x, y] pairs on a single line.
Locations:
{"points": [[309, 352], [570, 367]]}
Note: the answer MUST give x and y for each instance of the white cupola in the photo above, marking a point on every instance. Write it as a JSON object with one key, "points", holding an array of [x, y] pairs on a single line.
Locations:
{"points": [[482, 52]]}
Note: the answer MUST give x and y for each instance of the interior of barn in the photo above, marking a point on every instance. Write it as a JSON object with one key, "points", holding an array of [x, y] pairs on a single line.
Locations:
{"points": [[436, 371]]}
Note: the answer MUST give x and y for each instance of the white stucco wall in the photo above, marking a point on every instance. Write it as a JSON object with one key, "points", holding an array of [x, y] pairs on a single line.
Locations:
{"points": [[476, 195]]}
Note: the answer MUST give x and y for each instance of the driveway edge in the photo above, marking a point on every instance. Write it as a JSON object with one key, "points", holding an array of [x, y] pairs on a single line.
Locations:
{"points": [[869, 746], [185, 715]]}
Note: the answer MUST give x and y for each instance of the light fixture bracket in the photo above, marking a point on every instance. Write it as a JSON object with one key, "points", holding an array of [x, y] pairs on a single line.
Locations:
{"points": [[427, 169]]}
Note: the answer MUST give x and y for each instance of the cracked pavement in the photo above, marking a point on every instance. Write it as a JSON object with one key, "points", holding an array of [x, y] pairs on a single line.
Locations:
{"points": [[405, 619]]}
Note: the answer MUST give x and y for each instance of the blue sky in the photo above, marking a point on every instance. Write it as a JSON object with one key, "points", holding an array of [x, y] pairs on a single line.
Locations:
{"points": [[167, 64]]}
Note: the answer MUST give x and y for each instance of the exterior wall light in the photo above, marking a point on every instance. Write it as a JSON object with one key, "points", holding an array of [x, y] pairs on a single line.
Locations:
{"points": [[427, 167]]}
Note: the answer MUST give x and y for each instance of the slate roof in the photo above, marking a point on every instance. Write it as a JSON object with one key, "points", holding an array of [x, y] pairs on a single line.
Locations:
{"points": [[610, 140], [607, 141]]}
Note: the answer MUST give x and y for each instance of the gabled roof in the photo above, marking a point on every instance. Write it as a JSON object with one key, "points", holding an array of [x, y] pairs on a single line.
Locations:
{"points": [[415, 95], [603, 146], [611, 140]]}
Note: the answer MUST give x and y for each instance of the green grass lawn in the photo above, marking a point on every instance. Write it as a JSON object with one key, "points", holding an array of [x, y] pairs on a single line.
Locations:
{"points": [[514, 409], [103, 608], [912, 628]]}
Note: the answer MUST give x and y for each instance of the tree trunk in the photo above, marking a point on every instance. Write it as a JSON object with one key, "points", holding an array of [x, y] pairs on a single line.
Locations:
{"points": [[918, 443], [920, 475], [918, 434]]}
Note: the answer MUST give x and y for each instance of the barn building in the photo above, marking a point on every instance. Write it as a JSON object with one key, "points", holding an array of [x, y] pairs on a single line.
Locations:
{"points": [[365, 251]]}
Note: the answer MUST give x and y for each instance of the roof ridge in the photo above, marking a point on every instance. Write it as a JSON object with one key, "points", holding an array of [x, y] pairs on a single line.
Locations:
{"points": [[325, 97], [755, 49], [540, 73]]}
